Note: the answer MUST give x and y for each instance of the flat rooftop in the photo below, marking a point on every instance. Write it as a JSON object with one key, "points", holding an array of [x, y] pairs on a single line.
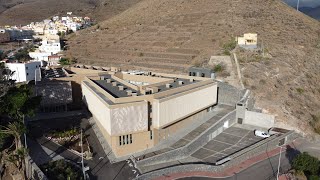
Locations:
{"points": [[112, 85], [114, 90]]}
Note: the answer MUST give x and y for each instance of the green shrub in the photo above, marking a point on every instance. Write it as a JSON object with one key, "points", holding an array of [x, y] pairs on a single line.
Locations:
{"points": [[64, 61], [300, 90], [306, 163], [229, 46], [315, 123], [61, 170], [218, 68]]}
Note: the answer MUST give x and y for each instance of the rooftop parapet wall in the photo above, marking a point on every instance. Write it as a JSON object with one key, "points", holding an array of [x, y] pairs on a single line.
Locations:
{"points": [[150, 97]]}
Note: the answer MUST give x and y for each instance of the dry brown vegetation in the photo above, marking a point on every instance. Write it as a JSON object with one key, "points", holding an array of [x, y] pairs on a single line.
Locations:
{"points": [[168, 35]]}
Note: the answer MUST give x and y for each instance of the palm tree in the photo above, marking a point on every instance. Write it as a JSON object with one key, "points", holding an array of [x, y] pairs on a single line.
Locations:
{"points": [[15, 129]]}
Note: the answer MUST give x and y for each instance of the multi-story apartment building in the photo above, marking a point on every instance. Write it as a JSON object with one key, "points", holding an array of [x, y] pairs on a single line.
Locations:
{"points": [[135, 112]]}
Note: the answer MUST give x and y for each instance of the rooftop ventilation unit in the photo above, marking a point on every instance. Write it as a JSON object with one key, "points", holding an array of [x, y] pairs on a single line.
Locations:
{"points": [[129, 92], [114, 83], [168, 85], [191, 80], [121, 88], [181, 82], [108, 80]]}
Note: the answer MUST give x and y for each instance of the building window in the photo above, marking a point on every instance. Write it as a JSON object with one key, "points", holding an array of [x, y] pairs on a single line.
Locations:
{"points": [[151, 135], [26, 68], [27, 74], [202, 75], [130, 138], [125, 139]]}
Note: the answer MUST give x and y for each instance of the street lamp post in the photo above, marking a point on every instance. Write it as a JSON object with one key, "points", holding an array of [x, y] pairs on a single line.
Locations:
{"points": [[298, 4]]}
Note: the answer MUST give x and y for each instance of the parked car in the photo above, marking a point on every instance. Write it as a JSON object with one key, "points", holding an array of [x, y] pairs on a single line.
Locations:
{"points": [[261, 134]]}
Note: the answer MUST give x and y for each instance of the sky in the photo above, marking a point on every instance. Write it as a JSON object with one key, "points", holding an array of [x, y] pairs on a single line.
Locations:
{"points": [[304, 3]]}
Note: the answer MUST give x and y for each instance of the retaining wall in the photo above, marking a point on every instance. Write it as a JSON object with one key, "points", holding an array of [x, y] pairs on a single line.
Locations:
{"points": [[254, 150], [228, 94], [33, 171], [194, 145]]}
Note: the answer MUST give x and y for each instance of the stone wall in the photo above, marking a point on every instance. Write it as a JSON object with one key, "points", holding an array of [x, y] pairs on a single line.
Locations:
{"points": [[33, 171], [228, 94]]}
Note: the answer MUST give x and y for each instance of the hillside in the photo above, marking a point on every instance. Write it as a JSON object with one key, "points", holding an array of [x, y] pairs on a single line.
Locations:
{"points": [[166, 35], [16, 12]]}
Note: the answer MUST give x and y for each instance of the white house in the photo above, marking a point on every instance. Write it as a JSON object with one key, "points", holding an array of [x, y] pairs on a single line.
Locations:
{"points": [[248, 41], [50, 46], [25, 71], [40, 56]]}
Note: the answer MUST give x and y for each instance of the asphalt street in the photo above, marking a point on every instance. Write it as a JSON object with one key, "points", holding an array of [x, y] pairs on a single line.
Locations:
{"points": [[263, 170], [100, 166]]}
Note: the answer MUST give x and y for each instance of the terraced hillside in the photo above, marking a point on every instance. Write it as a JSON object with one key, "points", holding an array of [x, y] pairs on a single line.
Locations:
{"points": [[167, 35]]}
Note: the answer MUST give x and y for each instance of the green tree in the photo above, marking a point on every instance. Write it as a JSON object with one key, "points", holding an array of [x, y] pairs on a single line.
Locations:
{"points": [[17, 158], [19, 102], [22, 55], [15, 129], [64, 61], [306, 163], [5, 80]]}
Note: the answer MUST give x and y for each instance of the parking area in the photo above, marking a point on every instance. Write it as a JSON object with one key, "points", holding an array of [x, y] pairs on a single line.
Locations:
{"points": [[228, 142]]}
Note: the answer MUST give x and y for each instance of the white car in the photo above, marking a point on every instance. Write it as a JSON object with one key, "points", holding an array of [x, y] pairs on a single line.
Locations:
{"points": [[261, 134]]}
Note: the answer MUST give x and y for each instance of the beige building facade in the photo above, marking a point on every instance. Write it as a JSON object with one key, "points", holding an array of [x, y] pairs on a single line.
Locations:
{"points": [[136, 112], [249, 41]]}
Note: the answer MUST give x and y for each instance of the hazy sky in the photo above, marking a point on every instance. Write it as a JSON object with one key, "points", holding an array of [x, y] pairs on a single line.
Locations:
{"points": [[304, 3]]}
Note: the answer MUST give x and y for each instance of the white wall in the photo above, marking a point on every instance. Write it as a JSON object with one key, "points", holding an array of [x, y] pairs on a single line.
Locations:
{"points": [[24, 72], [39, 56], [167, 111], [117, 121]]}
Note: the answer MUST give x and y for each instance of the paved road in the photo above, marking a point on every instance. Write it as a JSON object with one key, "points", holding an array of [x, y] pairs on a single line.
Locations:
{"points": [[100, 166], [264, 170]]}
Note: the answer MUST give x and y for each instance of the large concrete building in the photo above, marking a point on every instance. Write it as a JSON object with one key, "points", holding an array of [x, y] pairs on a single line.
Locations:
{"points": [[136, 112]]}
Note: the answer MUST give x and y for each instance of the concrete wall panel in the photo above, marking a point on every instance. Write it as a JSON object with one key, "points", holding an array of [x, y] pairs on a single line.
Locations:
{"points": [[259, 119], [129, 119], [169, 110], [97, 108]]}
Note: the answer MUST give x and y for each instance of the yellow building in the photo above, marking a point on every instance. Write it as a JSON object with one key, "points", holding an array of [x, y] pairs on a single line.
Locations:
{"points": [[248, 41], [136, 112]]}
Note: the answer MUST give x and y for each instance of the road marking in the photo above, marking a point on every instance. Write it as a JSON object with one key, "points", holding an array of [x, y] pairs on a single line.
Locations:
{"points": [[134, 171]]}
